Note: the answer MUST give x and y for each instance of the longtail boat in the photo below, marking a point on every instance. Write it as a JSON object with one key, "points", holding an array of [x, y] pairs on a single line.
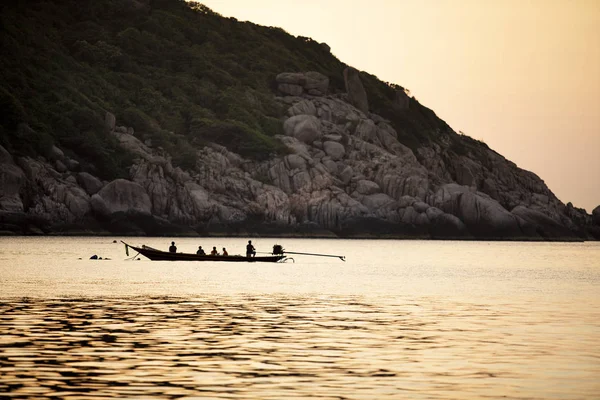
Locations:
{"points": [[278, 255], [159, 255]]}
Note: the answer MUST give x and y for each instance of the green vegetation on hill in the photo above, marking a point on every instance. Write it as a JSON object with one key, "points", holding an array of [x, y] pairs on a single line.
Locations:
{"points": [[177, 72]]}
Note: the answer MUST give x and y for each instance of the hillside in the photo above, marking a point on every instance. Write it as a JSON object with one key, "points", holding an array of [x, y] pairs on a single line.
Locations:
{"points": [[163, 117]]}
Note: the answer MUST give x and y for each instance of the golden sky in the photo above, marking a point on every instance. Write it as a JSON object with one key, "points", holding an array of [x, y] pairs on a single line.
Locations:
{"points": [[521, 75]]}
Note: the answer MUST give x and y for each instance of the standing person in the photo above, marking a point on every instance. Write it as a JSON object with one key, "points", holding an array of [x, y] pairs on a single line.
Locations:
{"points": [[225, 253], [214, 252], [250, 250], [173, 248], [200, 251]]}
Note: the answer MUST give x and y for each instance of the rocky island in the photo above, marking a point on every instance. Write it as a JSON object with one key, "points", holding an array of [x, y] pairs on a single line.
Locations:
{"points": [[109, 130]]}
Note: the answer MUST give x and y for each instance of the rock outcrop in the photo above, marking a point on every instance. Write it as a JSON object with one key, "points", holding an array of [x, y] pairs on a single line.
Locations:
{"points": [[123, 195], [357, 96], [401, 101], [482, 215], [11, 182], [89, 183], [596, 215], [295, 83], [346, 172]]}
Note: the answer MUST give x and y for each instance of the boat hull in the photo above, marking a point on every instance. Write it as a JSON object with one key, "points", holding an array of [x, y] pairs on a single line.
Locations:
{"points": [[158, 255]]}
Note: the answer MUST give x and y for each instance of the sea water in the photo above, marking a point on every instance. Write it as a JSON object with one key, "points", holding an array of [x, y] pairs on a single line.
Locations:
{"points": [[396, 320]]}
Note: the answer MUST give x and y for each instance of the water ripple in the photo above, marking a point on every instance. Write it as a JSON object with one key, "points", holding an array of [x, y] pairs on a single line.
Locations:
{"points": [[274, 346]]}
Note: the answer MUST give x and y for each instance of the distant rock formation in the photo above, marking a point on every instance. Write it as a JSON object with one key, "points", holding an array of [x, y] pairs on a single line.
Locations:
{"points": [[345, 174]]}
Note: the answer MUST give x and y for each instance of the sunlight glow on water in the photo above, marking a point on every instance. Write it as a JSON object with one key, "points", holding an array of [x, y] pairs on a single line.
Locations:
{"points": [[399, 319]]}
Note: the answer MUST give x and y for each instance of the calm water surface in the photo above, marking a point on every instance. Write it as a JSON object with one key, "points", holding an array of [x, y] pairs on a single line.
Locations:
{"points": [[399, 319]]}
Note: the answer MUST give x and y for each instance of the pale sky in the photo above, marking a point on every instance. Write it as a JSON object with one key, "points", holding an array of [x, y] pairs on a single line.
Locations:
{"points": [[521, 75]]}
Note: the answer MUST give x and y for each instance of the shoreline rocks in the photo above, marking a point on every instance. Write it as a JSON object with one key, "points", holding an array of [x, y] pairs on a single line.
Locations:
{"points": [[346, 174]]}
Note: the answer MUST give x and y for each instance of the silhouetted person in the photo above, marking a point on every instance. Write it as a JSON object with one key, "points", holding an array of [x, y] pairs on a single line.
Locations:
{"points": [[214, 252], [225, 253], [250, 250], [201, 251], [173, 248]]}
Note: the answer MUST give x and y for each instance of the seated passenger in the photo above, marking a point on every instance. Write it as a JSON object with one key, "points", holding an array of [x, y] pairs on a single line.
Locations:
{"points": [[172, 249], [225, 253], [200, 251], [214, 252]]}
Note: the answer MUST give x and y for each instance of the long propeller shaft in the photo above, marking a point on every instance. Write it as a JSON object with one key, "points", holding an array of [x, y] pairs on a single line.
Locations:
{"points": [[343, 258]]}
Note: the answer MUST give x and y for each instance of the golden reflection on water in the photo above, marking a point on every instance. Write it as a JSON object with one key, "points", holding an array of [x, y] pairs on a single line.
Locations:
{"points": [[421, 320], [276, 346]]}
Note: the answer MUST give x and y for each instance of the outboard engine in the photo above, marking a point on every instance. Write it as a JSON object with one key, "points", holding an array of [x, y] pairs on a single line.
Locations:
{"points": [[278, 250]]}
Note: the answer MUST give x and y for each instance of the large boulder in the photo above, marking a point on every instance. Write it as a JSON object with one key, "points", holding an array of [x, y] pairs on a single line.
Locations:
{"points": [[302, 107], [89, 183], [52, 196], [316, 83], [134, 145], [377, 201], [544, 225], [295, 83], [305, 128], [294, 78], [483, 216], [110, 121], [334, 150], [55, 153], [596, 215], [22, 223], [447, 226], [367, 187], [12, 179], [337, 111], [366, 130], [346, 174], [291, 89], [357, 95], [329, 207], [60, 166], [294, 161], [467, 171], [76, 200], [99, 206], [72, 165], [124, 195], [388, 138]]}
